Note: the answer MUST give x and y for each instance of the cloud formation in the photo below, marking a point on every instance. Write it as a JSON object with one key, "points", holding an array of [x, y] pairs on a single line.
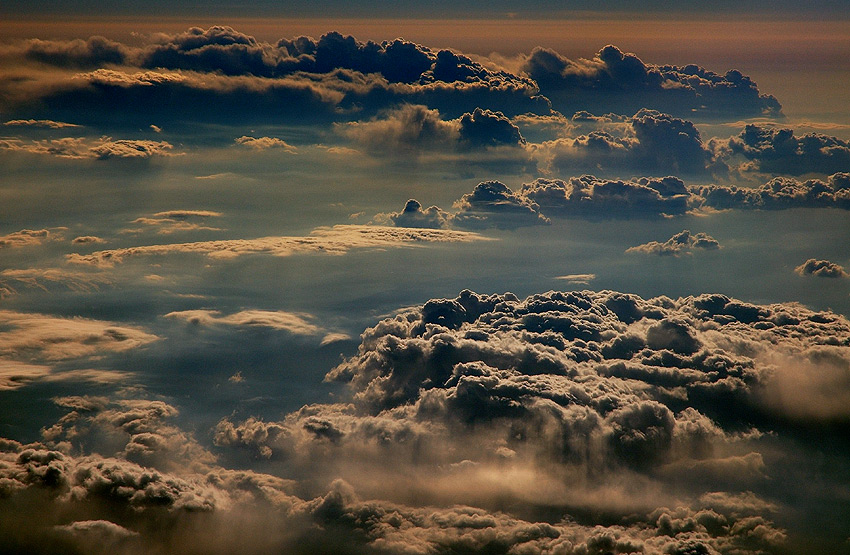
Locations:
{"points": [[30, 237], [265, 143], [620, 82], [683, 242], [494, 204], [81, 148], [821, 268], [334, 240], [173, 221], [774, 150]]}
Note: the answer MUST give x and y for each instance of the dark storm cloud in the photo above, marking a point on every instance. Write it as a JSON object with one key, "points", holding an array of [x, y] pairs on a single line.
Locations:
{"points": [[620, 82], [683, 242], [821, 268], [774, 150]]}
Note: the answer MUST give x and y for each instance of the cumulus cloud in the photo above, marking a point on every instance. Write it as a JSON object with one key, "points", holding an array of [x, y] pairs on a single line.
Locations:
{"points": [[265, 143], [774, 150], [413, 215], [780, 193], [616, 81], [591, 196], [87, 239], [409, 127], [650, 141], [81, 148], [821, 268], [335, 240], [221, 72], [632, 425], [494, 204], [683, 242]]}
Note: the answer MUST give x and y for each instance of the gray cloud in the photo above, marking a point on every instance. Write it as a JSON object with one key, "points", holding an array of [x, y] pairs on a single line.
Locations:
{"points": [[773, 150], [413, 215], [781, 193], [683, 242], [821, 268], [616, 81], [493, 204]]}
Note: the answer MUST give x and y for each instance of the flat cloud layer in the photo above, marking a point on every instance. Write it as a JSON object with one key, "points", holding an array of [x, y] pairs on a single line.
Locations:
{"points": [[337, 240], [583, 422]]}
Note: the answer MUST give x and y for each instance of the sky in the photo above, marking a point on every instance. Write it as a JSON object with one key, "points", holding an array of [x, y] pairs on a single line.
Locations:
{"points": [[380, 279]]}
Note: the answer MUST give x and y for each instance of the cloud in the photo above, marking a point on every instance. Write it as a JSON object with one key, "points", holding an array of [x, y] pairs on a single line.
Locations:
{"points": [[821, 268], [493, 204], [265, 143], [30, 237], [87, 239], [39, 337], [400, 130], [296, 323], [620, 82], [46, 278], [581, 279], [46, 123], [413, 215], [650, 141], [683, 242], [773, 150], [780, 193], [221, 73], [631, 424], [588, 196], [173, 221], [81, 148], [334, 240]]}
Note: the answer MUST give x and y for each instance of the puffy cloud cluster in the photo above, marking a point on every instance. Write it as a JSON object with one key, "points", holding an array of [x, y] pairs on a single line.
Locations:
{"points": [[821, 268], [335, 240], [220, 72], [616, 81], [650, 141], [413, 215], [780, 193], [775, 150], [577, 423], [591, 196], [492, 203], [30, 237], [683, 242]]}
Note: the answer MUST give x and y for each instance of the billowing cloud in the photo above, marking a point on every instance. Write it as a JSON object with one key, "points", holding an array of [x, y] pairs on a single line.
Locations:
{"points": [[493, 204], [409, 127], [683, 242], [774, 150], [593, 197], [265, 143], [87, 240], [336, 240], [620, 82], [821, 268], [650, 141], [413, 215], [781, 193]]}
